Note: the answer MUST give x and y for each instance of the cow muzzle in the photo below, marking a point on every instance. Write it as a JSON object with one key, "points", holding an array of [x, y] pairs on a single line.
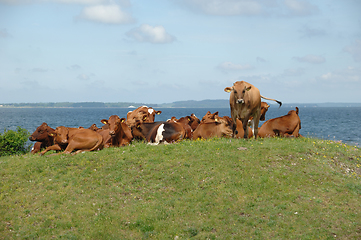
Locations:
{"points": [[240, 101], [112, 133]]}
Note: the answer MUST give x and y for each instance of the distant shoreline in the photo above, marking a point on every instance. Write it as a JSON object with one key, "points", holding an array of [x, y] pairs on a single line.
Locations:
{"points": [[180, 104]]}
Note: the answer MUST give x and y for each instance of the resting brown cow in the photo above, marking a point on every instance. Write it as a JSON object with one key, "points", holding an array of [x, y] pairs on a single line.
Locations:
{"points": [[264, 109], [167, 132], [288, 125], [141, 114], [186, 124], [41, 135], [192, 120], [240, 131], [213, 129], [210, 117], [118, 130], [159, 132], [80, 139], [104, 132], [245, 102]]}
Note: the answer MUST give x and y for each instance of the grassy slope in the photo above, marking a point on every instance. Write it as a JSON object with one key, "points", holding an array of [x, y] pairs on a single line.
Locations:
{"points": [[275, 188]]}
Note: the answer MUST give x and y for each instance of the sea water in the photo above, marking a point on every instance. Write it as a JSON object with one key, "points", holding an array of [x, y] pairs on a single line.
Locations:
{"points": [[332, 123]]}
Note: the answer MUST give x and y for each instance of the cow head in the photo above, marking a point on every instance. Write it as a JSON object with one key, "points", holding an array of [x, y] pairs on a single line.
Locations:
{"points": [[238, 91], [173, 119], [264, 109], [115, 124], [60, 135], [194, 121], [210, 117], [142, 114], [225, 127], [151, 114], [137, 131], [94, 127], [41, 133]]}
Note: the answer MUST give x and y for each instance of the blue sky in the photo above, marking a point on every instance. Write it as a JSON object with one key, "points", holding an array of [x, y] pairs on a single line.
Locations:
{"points": [[160, 51]]}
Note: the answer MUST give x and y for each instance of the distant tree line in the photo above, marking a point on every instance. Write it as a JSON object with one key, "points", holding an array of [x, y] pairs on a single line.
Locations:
{"points": [[220, 103], [73, 105]]}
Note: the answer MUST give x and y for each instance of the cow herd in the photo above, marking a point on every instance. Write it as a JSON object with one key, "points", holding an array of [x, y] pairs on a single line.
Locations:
{"points": [[246, 110]]}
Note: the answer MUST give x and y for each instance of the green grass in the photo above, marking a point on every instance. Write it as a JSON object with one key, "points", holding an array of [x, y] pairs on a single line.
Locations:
{"points": [[269, 189]]}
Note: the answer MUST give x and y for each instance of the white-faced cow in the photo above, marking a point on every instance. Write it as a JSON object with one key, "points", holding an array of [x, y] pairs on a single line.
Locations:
{"points": [[141, 114], [245, 101]]}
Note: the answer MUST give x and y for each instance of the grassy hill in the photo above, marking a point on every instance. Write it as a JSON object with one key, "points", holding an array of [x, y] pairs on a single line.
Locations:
{"points": [[214, 189]]}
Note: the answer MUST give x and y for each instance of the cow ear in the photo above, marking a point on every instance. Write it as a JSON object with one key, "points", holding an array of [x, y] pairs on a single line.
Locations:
{"points": [[52, 134], [249, 88], [228, 89], [137, 125], [159, 112], [144, 118], [104, 121], [122, 120]]}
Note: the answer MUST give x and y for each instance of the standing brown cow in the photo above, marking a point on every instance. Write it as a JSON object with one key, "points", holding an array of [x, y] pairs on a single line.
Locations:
{"points": [[245, 101]]}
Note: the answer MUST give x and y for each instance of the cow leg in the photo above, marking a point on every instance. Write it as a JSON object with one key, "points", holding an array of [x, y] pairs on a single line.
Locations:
{"points": [[255, 123], [295, 132], [234, 127], [252, 126], [70, 148], [55, 147], [245, 128], [37, 147]]}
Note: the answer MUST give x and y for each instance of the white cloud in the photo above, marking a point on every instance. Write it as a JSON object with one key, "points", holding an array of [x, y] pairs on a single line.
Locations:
{"points": [[39, 70], [308, 31], [83, 77], [288, 8], [355, 50], [233, 66], [226, 7], [349, 74], [74, 67], [147, 33], [311, 59], [293, 72], [110, 14], [85, 2], [259, 59], [301, 7]]}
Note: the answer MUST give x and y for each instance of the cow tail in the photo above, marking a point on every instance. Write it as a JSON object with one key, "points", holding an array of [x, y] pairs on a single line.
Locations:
{"points": [[280, 103]]}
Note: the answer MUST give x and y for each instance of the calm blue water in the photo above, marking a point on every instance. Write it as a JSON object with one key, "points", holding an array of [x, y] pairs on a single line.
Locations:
{"points": [[327, 123]]}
